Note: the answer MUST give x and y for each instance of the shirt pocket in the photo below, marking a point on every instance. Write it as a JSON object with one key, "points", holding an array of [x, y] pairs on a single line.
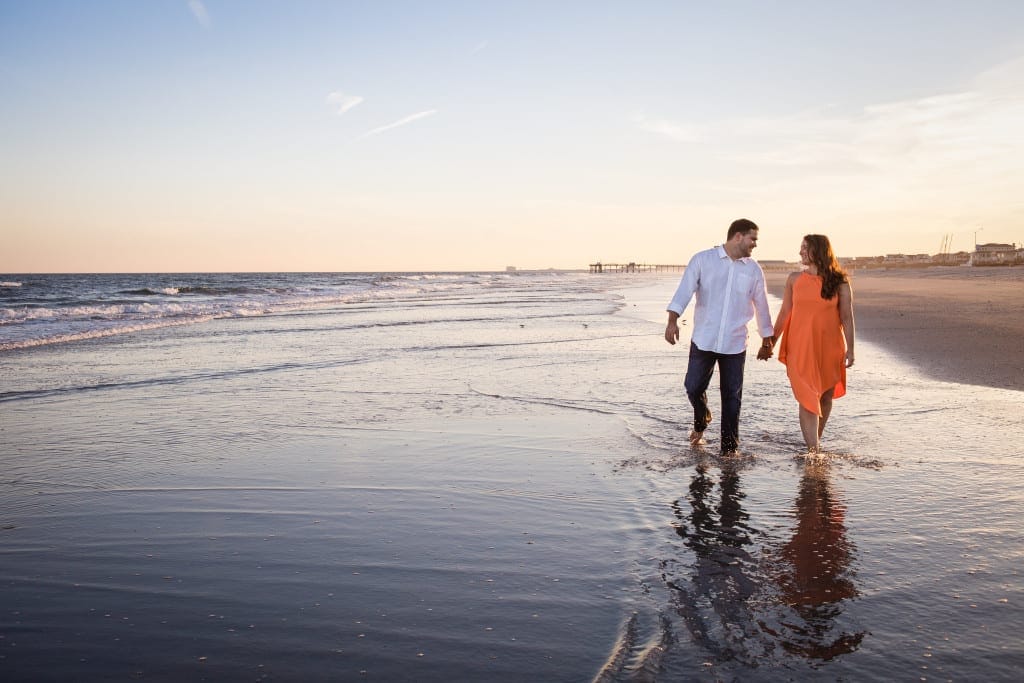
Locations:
{"points": [[743, 285]]}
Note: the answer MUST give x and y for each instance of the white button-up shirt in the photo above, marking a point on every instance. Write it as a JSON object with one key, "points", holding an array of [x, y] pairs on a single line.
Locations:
{"points": [[729, 293]]}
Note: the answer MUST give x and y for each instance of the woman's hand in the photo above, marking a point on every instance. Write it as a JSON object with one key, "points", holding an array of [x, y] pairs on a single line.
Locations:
{"points": [[849, 359]]}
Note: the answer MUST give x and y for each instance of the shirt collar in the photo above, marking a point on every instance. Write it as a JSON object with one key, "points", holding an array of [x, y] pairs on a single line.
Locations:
{"points": [[722, 253]]}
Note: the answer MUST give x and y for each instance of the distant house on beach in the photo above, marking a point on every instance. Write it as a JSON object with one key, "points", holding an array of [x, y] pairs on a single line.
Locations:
{"points": [[908, 259], [777, 265], [991, 254], [956, 258], [996, 254]]}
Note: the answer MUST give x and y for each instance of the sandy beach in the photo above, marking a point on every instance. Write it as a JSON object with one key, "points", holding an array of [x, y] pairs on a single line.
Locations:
{"points": [[956, 324], [485, 476]]}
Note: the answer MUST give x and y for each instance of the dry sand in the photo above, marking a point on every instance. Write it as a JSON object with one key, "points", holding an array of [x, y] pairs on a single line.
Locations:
{"points": [[957, 324]]}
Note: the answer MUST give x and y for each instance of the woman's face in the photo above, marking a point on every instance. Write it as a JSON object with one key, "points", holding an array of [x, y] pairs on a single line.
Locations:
{"points": [[805, 253]]}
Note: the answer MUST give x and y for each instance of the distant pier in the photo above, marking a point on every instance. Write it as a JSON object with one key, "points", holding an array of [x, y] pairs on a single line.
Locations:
{"points": [[636, 268]]}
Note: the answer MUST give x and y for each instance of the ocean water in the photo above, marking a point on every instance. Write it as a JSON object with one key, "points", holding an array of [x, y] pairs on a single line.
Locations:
{"points": [[434, 477]]}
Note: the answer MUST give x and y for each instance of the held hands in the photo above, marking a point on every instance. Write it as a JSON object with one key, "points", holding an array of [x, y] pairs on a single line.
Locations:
{"points": [[765, 352]]}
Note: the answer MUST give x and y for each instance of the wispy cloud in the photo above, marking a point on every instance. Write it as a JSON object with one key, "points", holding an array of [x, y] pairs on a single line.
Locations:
{"points": [[482, 45], [343, 102], [680, 132], [398, 123], [199, 12], [973, 129]]}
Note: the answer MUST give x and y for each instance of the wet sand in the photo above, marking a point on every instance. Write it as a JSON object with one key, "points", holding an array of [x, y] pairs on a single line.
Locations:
{"points": [[956, 324], [502, 491]]}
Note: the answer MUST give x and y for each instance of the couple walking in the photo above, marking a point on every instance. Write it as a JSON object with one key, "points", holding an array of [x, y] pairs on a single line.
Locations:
{"points": [[814, 330]]}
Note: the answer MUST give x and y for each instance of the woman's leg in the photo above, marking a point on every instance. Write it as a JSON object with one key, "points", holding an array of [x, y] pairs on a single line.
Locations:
{"points": [[826, 410], [809, 426]]}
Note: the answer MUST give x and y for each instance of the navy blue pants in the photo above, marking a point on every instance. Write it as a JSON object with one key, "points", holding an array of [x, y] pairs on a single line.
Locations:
{"points": [[730, 381]]}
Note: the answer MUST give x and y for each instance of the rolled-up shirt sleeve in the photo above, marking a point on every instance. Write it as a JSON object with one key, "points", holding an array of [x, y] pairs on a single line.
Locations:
{"points": [[687, 287], [761, 310]]}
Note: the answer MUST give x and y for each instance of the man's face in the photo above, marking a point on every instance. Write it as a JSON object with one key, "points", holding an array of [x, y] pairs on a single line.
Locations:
{"points": [[747, 242]]}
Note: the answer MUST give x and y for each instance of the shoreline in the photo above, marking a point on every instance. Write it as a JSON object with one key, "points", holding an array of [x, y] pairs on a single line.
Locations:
{"points": [[427, 486], [963, 325]]}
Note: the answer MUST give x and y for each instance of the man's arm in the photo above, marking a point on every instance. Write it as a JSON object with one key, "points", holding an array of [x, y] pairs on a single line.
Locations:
{"points": [[761, 310], [768, 345], [684, 292], [764, 318]]}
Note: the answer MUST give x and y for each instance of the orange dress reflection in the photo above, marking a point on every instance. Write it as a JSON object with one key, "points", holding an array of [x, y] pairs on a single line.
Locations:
{"points": [[815, 575]]}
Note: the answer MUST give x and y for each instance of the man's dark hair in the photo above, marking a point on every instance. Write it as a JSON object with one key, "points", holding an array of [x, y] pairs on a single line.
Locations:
{"points": [[741, 225]]}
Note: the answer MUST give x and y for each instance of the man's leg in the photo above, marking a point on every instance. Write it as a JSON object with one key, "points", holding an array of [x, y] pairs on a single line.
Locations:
{"points": [[730, 369], [698, 376]]}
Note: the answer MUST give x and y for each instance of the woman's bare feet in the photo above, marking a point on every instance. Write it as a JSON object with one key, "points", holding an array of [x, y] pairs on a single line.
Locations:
{"points": [[697, 438]]}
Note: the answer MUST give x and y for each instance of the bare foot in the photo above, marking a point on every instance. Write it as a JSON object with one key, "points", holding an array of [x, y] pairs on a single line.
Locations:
{"points": [[697, 438]]}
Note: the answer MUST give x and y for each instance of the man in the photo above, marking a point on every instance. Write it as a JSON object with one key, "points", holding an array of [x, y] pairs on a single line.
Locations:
{"points": [[730, 289]]}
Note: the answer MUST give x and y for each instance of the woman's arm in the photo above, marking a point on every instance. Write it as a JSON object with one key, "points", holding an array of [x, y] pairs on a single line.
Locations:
{"points": [[846, 317], [787, 306]]}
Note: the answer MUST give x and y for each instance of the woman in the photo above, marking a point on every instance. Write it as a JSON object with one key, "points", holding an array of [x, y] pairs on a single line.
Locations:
{"points": [[816, 326]]}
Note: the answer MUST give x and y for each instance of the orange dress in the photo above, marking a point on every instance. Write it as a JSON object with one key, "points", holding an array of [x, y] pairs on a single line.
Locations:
{"points": [[813, 346]]}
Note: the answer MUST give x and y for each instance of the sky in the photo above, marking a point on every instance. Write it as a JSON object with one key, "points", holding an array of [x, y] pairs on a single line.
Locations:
{"points": [[247, 135]]}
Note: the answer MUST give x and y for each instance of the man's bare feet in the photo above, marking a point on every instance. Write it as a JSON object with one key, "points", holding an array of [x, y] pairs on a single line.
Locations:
{"points": [[697, 438]]}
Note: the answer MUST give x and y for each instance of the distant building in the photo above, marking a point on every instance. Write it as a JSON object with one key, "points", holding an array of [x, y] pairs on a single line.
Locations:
{"points": [[992, 254], [510, 269], [907, 259], [995, 254], [957, 258], [862, 261], [778, 265]]}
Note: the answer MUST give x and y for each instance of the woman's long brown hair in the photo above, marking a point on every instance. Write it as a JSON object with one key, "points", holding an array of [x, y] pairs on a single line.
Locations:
{"points": [[822, 256]]}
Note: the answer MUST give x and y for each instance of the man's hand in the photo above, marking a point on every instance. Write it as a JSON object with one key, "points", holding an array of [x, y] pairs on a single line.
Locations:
{"points": [[672, 332], [764, 353], [672, 329]]}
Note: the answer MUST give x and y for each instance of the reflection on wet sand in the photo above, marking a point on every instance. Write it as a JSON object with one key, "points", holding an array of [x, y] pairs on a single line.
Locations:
{"points": [[814, 573], [748, 599], [716, 602]]}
